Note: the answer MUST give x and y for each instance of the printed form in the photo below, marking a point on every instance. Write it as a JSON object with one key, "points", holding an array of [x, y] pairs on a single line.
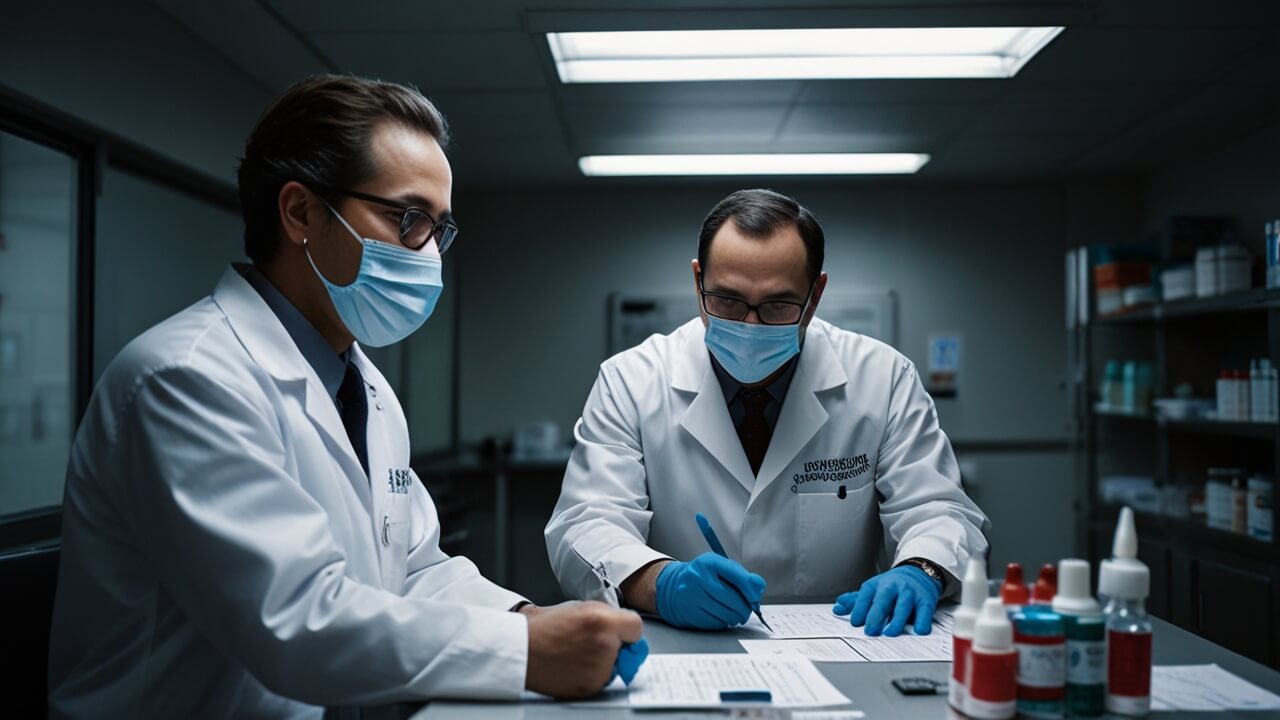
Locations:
{"points": [[696, 680], [815, 621]]}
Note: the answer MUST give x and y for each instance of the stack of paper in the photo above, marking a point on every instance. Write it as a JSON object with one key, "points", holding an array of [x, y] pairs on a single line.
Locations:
{"points": [[696, 681], [1206, 688], [815, 633]]}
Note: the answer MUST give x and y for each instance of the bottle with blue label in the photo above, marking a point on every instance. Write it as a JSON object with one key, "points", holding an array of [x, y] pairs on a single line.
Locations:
{"points": [[1086, 632]]}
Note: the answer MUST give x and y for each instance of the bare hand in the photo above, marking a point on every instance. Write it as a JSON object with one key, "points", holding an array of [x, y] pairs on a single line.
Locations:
{"points": [[572, 648]]}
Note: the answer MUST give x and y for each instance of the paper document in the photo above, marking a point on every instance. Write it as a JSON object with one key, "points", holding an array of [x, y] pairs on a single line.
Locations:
{"points": [[695, 681], [816, 649], [1206, 688], [817, 621]]}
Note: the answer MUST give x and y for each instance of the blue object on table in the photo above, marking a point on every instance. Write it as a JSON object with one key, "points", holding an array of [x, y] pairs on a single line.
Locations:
{"points": [[630, 657], [705, 526], [727, 696], [885, 602]]}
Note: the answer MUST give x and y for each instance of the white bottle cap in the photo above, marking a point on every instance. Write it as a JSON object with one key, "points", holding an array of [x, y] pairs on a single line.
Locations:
{"points": [[974, 590], [993, 631], [1073, 596], [1124, 576]]}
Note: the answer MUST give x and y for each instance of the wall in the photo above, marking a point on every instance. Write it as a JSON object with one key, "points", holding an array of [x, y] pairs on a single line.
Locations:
{"points": [[985, 261]]}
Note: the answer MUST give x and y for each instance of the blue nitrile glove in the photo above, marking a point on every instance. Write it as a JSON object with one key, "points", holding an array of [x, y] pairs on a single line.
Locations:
{"points": [[709, 593], [892, 597], [630, 657]]}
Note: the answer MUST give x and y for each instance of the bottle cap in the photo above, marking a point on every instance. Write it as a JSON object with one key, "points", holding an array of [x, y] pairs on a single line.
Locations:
{"points": [[973, 592], [1014, 589], [993, 631], [1124, 576], [1073, 596], [1046, 585]]}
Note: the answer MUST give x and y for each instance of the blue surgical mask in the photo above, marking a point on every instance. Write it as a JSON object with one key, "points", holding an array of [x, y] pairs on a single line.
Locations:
{"points": [[750, 353], [393, 293]]}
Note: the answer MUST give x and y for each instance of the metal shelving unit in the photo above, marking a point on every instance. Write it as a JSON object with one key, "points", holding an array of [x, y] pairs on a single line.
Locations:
{"points": [[1219, 584]]}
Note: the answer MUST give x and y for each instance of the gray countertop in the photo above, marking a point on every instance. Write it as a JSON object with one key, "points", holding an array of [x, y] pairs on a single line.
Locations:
{"points": [[866, 684]]}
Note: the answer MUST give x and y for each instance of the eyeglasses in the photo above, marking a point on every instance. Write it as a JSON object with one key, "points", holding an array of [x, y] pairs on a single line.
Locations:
{"points": [[417, 227], [771, 312]]}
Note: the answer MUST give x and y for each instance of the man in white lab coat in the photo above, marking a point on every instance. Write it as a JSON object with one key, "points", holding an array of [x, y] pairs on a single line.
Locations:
{"points": [[242, 534], [814, 453]]}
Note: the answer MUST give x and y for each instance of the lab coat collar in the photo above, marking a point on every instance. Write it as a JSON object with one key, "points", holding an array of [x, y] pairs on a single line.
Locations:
{"points": [[271, 347], [707, 418]]}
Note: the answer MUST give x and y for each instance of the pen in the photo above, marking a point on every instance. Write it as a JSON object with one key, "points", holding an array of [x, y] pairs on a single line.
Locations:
{"points": [[718, 549]]}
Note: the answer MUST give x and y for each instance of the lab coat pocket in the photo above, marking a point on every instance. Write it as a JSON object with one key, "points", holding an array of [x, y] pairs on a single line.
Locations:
{"points": [[393, 543], [833, 540]]}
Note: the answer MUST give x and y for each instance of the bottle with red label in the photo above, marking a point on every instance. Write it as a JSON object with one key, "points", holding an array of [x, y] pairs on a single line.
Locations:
{"points": [[972, 594], [991, 673], [1126, 581]]}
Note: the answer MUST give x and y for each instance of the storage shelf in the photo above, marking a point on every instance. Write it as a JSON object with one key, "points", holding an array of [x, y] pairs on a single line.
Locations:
{"points": [[1153, 526], [1261, 431], [1246, 301]]}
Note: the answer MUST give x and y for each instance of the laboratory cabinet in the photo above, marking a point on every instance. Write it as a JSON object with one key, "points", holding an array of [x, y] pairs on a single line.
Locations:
{"points": [[1147, 433]]}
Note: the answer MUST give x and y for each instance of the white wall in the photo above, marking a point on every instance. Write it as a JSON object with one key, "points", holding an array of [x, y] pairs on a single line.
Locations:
{"points": [[537, 267]]}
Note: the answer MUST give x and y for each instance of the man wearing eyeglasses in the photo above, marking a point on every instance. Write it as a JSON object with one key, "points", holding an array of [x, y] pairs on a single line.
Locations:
{"points": [[814, 453], [242, 533]]}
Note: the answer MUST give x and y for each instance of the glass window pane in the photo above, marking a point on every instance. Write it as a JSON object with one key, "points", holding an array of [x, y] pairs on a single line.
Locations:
{"points": [[37, 322]]}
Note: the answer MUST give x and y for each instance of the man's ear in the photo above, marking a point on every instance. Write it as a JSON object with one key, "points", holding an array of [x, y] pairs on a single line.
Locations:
{"points": [[297, 207], [818, 287], [697, 289]]}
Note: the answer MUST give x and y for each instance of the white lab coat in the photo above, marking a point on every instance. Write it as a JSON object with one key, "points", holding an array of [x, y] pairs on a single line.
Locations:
{"points": [[655, 445], [224, 554]]}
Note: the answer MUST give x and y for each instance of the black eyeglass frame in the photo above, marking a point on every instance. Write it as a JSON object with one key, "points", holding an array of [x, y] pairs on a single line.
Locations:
{"points": [[444, 229], [803, 306]]}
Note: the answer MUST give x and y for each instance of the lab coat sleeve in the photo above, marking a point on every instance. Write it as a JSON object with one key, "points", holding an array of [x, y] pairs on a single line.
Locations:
{"points": [[923, 507], [247, 554], [432, 574], [598, 530]]}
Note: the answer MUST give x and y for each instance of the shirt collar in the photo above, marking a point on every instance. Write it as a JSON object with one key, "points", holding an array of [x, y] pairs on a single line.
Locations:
{"points": [[330, 367], [777, 389]]}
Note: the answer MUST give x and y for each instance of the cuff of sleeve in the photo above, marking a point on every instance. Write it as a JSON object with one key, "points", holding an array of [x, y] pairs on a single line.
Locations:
{"points": [[623, 562], [947, 559], [496, 655]]}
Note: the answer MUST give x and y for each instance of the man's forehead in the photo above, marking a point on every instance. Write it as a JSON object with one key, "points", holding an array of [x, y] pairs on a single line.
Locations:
{"points": [[412, 168]]}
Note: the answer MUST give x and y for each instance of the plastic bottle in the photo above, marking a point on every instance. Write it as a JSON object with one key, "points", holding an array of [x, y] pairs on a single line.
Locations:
{"points": [[1271, 256], [1046, 585], [1257, 388], [1042, 664], [991, 674], [1242, 395], [1126, 581], [1014, 590], [1086, 631], [1272, 383], [1226, 396], [973, 591]]}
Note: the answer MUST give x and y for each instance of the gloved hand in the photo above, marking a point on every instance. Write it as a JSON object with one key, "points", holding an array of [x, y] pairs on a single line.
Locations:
{"points": [[709, 593], [893, 597], [630, 657]]}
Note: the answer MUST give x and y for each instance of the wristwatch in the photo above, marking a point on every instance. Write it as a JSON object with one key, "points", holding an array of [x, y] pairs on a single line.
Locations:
{"points": [[928, 568]]}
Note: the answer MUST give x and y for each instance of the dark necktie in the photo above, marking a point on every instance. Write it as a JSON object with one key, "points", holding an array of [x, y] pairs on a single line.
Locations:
{"points": [[754, 431], [353, 405]]}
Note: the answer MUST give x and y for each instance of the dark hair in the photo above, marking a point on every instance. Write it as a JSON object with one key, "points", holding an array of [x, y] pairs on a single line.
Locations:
{"points": [[317, 133], [760, 214]]}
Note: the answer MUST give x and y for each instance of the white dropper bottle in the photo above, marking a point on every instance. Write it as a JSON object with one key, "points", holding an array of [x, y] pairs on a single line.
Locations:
{"points": [[1126, 582], [1086, 631], [972, 593], [991, 673]]}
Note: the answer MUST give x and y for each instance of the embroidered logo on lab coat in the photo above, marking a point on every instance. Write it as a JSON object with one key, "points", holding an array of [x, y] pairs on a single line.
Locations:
{"points": [[398, 481], [833, 470]]}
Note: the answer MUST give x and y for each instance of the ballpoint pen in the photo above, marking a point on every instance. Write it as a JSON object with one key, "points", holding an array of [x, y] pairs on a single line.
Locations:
{"points": [[718, 549]]}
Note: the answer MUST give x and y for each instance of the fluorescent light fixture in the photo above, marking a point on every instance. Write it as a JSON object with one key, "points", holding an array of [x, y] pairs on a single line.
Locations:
{"points": [[836, 53], [758, 164]]}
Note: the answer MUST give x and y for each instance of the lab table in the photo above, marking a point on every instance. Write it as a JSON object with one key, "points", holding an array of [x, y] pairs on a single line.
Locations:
{"points": [[866, 684]]}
